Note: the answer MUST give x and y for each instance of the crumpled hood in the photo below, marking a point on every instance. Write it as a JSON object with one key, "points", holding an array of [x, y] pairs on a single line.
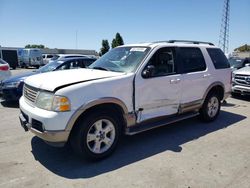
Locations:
{"points": [[244, 70], [52, 80]]}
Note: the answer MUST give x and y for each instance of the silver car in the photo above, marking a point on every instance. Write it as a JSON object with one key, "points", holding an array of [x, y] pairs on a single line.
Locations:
{"points": [[4, 70], [241, 81]]}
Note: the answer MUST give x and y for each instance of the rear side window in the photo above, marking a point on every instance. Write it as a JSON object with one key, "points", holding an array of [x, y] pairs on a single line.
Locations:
{"points": [[192, 60], [218, 58]]}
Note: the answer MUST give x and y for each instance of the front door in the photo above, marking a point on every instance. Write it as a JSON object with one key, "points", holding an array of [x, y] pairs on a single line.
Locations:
{"points": [[158, 94]]}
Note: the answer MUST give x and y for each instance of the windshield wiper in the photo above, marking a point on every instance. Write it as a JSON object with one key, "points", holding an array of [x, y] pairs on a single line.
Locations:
{"points": [[101, 68]]}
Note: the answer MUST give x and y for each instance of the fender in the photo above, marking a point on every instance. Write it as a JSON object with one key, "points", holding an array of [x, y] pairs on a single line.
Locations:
{"points": [[130, 118], [210, 87]]}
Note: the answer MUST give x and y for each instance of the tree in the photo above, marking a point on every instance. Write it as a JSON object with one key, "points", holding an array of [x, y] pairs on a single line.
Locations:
{"points": [[244, 48], [105, 47], [117, 41], [35, 46]]}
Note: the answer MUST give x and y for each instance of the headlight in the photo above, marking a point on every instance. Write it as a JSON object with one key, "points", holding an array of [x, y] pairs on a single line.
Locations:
{"points": [[44, 100], [49, 101], [12, 84], [233, 75]]}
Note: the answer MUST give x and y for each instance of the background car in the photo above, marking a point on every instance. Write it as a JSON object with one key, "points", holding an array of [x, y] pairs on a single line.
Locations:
{"points": [[12, 88], [4, 70], [241, 81], [31, 57], [237, 63], [47, 58], [66, 56]]}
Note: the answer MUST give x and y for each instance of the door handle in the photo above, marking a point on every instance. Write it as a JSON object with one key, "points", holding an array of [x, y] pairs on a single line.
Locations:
{"points": [[175, 81], [206, 75]]}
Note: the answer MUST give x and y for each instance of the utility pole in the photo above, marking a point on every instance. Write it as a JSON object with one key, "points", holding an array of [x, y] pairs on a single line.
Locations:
{"points": [[76, 40], [224, 31]]}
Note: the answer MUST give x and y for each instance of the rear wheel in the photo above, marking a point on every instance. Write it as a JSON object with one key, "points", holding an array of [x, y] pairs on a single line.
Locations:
{"points": [[211, 108], [96, 135]]}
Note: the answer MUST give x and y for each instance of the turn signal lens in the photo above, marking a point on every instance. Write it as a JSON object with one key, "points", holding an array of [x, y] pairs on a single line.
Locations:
{"points": [[61, 104]]}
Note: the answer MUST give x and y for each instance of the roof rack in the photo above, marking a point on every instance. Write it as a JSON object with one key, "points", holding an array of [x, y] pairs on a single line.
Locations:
{"points": [[190, 41]]}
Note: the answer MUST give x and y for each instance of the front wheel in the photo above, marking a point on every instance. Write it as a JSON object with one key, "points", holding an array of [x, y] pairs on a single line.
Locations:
{"points": [[96, 135], [211, 108]]}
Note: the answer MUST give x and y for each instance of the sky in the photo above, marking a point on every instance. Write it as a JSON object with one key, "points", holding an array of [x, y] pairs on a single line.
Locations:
{"points": [[84, 24]]}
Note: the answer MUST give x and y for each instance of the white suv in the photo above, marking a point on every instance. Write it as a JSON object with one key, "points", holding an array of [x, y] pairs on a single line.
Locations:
{"points": [[130, 89]]}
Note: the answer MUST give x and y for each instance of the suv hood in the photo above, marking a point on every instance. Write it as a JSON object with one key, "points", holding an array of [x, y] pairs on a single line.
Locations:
{"points": [[52, 80], [245, 71]]}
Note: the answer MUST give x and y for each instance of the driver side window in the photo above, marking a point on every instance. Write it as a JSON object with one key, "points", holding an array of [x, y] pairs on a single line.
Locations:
{"points": [[163, 62]]}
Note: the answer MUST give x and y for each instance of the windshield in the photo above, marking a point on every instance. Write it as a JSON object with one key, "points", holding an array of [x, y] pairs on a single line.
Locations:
{"points": [[235, 62], [55, 57], [122, 59], [49, 67]]}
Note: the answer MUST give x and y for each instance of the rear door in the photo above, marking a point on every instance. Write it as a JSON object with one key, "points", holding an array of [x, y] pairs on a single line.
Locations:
{"points": [[195, 76]]}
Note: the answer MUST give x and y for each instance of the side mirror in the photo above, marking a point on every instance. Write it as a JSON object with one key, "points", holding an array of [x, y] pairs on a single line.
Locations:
{"points": [[247, 65], [148, 71]]}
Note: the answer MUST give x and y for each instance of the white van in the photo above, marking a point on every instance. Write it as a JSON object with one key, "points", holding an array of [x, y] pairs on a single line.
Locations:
{"points": [[31, 57]]}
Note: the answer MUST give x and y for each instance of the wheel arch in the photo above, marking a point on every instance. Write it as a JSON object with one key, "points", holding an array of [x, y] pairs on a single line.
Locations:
{"points": [[107, 103], [216, 87]]}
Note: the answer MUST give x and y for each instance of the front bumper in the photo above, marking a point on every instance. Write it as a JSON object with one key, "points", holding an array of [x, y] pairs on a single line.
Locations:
{"points": [[12, 94], [243, 90], [47, 125], [56, 138]]}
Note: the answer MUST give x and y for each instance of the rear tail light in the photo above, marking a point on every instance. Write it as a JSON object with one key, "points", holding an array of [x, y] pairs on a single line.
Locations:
{"points": [[4, 68]]}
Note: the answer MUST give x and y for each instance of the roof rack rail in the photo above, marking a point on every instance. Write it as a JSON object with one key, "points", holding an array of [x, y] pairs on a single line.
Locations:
{"points": [[190, 41]]}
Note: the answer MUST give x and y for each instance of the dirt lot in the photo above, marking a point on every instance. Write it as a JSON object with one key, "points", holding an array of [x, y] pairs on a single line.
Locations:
{"points": [[184, 154]]}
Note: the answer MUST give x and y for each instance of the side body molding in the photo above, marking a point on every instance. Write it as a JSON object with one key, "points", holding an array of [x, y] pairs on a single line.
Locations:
{"points": [[128, 117]]}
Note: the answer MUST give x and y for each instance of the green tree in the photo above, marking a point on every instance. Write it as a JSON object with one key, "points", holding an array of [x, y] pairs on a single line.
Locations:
{"points": [[117, 41], [105, 47], [243, 48], [35, 46]]}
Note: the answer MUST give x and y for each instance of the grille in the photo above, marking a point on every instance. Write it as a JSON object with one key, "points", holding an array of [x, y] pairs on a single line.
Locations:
{"points": [[30, 93], [242, 79]]}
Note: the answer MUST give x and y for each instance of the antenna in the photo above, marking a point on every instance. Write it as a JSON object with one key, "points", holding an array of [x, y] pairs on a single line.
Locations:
{"points": [[224, 31]]}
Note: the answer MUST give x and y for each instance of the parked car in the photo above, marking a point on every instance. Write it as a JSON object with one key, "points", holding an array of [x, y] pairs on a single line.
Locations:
{"points": [[31, 58], [4, 70], [65, 56], [12, 88], [241, 81], [130, 89], [237, 63], [47, 58]]}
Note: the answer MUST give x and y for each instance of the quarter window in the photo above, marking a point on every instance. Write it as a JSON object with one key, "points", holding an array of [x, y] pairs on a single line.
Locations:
{"points": [[192, 60], [218, 58]]}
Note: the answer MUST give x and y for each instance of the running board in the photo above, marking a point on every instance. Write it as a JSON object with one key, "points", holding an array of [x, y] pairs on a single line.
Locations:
{"points": [[158, 122]]}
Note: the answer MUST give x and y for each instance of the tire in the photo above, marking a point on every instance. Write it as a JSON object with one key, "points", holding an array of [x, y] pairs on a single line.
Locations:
{"points": [[210, 108], [96, 135]]}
